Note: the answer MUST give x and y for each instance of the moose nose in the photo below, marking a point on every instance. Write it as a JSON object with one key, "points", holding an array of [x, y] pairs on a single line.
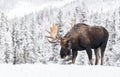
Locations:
{"points": [[62, 57]]}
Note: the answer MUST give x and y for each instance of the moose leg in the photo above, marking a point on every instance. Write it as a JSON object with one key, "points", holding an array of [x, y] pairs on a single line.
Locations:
{"points": [[97, 56], [89, 53], [69, 53], [74, 55], [102, 53]]}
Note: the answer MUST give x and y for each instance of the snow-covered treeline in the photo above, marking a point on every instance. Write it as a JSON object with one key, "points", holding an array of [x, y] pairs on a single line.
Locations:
{"points": [[22, 40]]}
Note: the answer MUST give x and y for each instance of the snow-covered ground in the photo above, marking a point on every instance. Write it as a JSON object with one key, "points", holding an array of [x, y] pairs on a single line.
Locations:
{"points": [[55, 70]]}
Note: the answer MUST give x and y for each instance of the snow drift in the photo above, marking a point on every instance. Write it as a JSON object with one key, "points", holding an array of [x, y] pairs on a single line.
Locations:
{"points": [[54, 70]]}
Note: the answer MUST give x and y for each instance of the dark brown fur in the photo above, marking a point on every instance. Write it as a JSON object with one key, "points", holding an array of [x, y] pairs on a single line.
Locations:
{"points": [[84, 37]]}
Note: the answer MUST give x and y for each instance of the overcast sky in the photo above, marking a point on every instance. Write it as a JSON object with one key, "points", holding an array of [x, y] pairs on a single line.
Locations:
{"points": [[16, 8]]}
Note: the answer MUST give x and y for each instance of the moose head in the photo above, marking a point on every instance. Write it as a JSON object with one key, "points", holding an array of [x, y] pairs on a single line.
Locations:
{"points": [[63, 41]]}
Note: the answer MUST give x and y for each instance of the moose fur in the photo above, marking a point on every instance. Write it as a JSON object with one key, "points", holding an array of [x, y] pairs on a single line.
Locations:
{"points": [[84, 37]]}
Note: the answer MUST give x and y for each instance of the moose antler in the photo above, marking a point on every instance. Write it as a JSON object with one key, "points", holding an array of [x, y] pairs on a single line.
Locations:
{"points": [[53, 33], [73, 22]]}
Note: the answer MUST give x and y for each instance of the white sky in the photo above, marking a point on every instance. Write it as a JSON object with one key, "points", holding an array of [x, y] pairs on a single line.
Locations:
{"points": [[18, 8]]}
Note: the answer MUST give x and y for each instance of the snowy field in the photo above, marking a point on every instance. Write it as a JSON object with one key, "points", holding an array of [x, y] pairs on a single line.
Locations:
{"points": [[55, 70]]}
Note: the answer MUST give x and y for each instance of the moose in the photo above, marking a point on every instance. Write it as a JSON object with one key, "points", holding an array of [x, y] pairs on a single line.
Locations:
{"points": [[81, 37]]}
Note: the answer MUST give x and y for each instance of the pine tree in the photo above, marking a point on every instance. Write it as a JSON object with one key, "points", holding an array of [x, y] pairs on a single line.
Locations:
{"points": [[14, 40], [5, 38]]}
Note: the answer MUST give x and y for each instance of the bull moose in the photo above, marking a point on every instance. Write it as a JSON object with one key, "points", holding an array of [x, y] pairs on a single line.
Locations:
{"points": [[81, 37]]}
